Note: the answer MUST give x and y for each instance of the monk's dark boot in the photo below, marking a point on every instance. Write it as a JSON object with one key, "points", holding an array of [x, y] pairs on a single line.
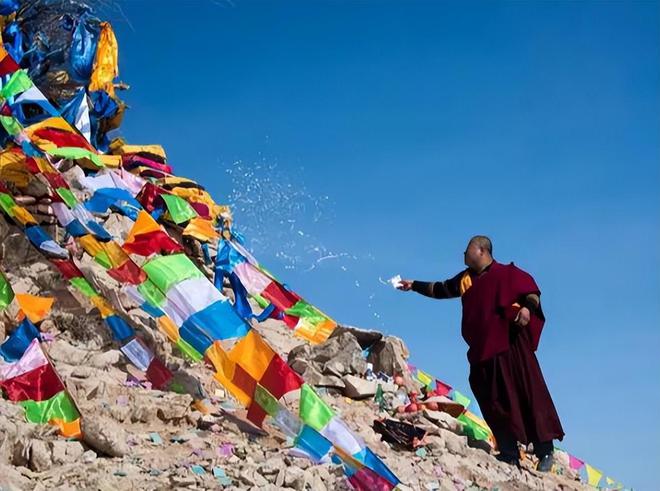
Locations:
{"points": [[544, 452], [509, 459], [545, 463]]}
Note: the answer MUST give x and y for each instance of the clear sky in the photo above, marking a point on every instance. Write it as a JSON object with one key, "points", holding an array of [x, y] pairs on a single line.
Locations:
{"points": [[388, 133]]}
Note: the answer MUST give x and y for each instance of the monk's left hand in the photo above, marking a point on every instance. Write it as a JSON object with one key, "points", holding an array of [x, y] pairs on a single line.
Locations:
{"points": [[522, 319]]}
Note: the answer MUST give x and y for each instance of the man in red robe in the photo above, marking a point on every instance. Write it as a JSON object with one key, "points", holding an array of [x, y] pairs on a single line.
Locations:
{"points": [[502, 323]]}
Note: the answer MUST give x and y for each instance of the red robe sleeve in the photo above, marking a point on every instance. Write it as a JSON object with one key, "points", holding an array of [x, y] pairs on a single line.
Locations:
{"points": [[514, 289]]}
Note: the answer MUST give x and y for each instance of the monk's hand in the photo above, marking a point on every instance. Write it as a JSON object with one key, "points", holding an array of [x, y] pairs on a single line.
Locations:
{"points": [[405, 285], [522, 319]]}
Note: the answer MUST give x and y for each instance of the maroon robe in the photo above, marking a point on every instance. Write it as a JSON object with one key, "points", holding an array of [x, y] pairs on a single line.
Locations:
{"points": [[505, 375]]}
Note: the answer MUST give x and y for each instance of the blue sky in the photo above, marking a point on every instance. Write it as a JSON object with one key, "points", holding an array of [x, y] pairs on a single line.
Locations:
{"points": [[388, 133]]}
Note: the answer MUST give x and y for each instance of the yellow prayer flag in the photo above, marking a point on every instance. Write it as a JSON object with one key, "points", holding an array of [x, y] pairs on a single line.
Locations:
{"points": [[424, 378], [167, 326], [92, 246], [105, 309], [116, 254], [106, 61], [35, 308], [56, 122], [123, 149], [593, 475], [220, 361], [12, 168], [315, 334], [113, 161], [253, 354], [23, 216], [225, 370]]}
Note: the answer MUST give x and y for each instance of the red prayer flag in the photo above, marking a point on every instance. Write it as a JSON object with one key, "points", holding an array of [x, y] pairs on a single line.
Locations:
{"points": [[244, 381], [152, 242], [279, 378], [67, 267], [129, 272], [63, 138], [8, 65], [158, 374], [282, 298], [256, 414], [39, 384]]}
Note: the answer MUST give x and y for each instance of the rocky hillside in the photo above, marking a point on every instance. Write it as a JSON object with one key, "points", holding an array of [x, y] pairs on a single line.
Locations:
{"points": [[139, 438]]}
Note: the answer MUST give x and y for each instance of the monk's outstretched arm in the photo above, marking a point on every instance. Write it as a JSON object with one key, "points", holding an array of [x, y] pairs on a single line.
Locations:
{"points": [[439, 289]]}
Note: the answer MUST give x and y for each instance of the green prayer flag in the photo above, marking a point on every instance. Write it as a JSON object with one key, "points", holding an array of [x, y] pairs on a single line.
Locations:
{"points": [[313, 410], [11, 125], [7, 204], [472, 429], [19, 82], [83, 286], [463, 400], [166, 271], [60, 406], [6, 292], [74, 153], [188, 350], [67, 196], [261, 301], [180, 210], [151, 293], [266, 400], [309, 312], [103, 259]]}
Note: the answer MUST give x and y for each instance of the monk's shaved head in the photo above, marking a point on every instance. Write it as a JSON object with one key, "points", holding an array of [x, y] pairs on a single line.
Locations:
{"points": [[483, 242]]}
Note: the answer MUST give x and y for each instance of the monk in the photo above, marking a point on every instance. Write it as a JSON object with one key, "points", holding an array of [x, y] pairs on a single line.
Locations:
{"points": [[502, 323]]}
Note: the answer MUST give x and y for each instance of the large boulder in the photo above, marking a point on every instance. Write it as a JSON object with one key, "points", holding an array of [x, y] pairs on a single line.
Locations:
{"points": [[104, 435], [359, 388], [338, 356], [389, 355]]}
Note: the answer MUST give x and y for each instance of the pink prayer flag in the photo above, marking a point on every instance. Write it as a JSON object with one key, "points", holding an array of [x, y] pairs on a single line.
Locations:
{"points": [[574, 463]]}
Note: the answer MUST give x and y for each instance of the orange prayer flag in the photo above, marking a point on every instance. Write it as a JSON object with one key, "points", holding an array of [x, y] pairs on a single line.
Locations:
{"points": [[35, 308], [143, 225]]}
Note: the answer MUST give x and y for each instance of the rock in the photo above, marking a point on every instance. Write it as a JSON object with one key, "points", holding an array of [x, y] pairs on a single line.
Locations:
{"points": [[334, 367], [88, 457], [40, 456], [444, 420], [104, 435], [61, 351], [103, 360], [65, 452], [271, 466], [366, 338], [389, 355], [311, 375], [338, 356], [359, 388], [294, 477], [455, 444], [252, 478], [174, 406], [331, 381]]}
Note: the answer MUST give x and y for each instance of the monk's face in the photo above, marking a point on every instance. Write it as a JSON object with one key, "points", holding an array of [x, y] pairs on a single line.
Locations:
{"points": [[474, 256]]}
